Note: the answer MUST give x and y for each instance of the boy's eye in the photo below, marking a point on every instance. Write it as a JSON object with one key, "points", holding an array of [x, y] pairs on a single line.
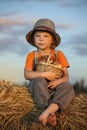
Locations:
{"points": [[37, 35], [46, 36]]}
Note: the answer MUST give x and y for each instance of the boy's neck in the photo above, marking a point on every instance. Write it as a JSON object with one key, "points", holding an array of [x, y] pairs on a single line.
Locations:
{"points": [[44, 52]]}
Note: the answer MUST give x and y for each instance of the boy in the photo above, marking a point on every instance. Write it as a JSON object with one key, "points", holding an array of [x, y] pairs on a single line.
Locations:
{"points": [[45, 39]]}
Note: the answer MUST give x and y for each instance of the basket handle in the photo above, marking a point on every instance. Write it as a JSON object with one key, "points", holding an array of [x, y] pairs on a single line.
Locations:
{"points": [[48, 60]]}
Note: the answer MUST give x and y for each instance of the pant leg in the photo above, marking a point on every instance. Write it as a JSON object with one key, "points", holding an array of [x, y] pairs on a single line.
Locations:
{"points": [[39, 91], [63, 95]]}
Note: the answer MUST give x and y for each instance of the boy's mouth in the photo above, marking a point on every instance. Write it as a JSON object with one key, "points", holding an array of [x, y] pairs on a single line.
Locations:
{"points": [[42, 44]]}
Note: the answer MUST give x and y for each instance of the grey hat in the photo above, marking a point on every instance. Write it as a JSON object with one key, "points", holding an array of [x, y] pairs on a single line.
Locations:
{"points": [[44, 25]]}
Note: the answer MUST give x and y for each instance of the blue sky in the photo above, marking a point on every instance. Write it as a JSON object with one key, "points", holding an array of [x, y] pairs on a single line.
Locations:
{"points": [[17, 17]]}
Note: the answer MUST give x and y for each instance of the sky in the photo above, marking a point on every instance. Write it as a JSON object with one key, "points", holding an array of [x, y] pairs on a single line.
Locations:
{"points": [[17, 18]]}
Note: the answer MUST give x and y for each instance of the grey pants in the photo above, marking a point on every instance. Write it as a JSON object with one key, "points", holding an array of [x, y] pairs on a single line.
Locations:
{"points": [[63, 93]]}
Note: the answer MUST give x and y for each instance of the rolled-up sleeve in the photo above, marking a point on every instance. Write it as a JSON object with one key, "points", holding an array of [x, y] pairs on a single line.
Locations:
{"points": [[30, 61], [63, 60]]}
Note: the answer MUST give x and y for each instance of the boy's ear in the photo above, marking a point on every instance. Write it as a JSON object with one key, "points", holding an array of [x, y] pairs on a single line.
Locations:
{"points": [[52, 45]]}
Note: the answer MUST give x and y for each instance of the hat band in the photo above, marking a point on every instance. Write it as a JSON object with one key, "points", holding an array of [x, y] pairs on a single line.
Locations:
{"points": [[44, 28]]}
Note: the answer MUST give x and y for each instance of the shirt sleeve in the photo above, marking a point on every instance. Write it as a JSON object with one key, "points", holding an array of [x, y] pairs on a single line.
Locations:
{"points": [[63, 60], [30, 61]]}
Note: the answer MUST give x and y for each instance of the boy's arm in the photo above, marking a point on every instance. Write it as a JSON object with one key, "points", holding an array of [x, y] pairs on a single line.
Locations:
{"points": [[65, 77], [50, 75], [56, 82], [29, 74]]}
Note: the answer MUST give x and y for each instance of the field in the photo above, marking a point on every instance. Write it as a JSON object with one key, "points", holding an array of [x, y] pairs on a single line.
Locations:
{"points": [[18, 111]]}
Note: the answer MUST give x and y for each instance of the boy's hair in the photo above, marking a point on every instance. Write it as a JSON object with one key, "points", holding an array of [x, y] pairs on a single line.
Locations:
{"points": [[44, 25]]}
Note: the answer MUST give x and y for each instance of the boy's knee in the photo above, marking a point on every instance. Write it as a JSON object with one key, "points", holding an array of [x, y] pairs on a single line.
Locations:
{"points": [[38, 81], [67, 85]]}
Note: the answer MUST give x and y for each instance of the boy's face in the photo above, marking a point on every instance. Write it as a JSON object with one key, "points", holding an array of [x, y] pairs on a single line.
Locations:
{"points": [[43, 40]]}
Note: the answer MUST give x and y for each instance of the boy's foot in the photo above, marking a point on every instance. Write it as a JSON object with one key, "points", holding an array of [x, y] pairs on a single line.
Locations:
{"points": [[49, 115], [43, 117], [52, 120]]}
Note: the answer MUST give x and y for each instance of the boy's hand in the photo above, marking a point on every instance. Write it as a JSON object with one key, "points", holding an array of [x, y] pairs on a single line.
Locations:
{"points": [[56, 82], [53, 84], [51, 75]]}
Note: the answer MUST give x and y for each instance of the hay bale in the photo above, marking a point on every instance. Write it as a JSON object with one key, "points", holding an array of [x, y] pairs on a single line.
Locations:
{"points": [[74, 117], [18, 111]]}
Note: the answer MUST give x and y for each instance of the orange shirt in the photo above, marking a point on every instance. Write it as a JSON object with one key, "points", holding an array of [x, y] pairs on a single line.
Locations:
{"points": [[30, 61]]}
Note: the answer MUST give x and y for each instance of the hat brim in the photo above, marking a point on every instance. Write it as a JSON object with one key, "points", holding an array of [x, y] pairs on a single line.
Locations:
{"points": [[30, 38]]}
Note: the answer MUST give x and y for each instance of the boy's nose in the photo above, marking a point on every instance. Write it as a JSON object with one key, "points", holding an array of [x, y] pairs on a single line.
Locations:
{"points": [[41, 38]]}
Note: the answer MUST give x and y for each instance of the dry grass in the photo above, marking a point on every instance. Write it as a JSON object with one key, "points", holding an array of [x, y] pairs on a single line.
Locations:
{"points": [[19, 112]]}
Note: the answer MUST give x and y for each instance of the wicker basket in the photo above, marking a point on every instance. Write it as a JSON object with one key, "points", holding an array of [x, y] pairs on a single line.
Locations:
{"points": [[43, 66]]}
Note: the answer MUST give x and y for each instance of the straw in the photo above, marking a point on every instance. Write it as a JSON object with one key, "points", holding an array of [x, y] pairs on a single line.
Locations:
{"points": [[18, 111]]}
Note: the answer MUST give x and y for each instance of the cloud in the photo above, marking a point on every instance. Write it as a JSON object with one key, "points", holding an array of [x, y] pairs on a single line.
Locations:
{"points": [[64, 26], [72, 3], [18, 21], [12, 34], [8, 1], [79, 44], [63, 3], [13, 29], [15, 23], [14, 45], [81, 50]]}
